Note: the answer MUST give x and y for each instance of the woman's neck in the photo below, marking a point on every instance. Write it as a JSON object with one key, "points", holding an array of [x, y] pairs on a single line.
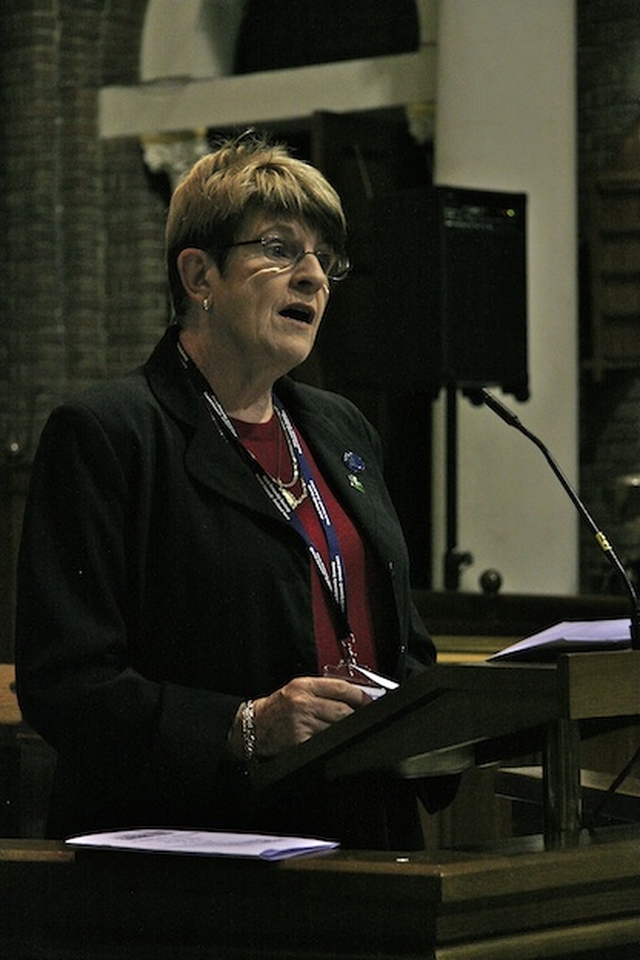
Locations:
{"points": [[244, 397], [258, 411]]}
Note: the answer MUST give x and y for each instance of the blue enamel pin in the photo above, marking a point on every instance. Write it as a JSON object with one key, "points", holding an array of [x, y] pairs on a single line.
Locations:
{"points": [[355, 464]]}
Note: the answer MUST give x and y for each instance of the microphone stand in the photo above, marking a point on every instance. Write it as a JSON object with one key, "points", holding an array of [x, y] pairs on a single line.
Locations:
{"points": [[454, 559], [513, 421]]}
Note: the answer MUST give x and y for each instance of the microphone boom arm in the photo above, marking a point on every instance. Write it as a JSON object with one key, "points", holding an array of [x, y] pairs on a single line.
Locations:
{"points": [[601, 539]]}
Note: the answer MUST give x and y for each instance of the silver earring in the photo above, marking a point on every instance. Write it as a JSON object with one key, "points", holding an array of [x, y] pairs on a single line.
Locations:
{"points": [[205, 304]]}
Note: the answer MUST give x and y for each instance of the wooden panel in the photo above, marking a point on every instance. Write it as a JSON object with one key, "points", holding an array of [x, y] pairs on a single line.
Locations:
{"points": [[601, 684], [516, 902]]}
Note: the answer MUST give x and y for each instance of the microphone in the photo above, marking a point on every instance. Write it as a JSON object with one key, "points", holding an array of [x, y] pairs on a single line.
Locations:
{"points": [[486, 397]]}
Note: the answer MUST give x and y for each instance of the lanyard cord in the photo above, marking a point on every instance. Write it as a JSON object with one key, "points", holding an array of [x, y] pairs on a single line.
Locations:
{"points": [[334, 577]]}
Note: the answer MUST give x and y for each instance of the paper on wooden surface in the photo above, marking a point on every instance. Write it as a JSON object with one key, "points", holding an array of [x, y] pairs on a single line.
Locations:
{"points": [[570, 636], [208, 843]]}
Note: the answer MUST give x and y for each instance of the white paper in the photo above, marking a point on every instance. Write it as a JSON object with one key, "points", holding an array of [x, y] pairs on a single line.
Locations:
{"points": [[378, 679], [570, 636], [380, 684], [372, 683], [208, 843]]}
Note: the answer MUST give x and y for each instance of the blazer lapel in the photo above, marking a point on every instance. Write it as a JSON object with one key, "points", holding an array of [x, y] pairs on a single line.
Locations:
{"points": [[210, 459], [213, 462]]}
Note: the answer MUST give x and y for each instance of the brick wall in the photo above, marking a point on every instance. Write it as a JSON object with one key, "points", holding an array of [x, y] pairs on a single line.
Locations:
{"points": [[83, 290], [608, 110]]}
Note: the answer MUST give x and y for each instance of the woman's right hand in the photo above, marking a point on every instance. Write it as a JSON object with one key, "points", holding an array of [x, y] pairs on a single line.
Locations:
{"points": [[297, 711]]}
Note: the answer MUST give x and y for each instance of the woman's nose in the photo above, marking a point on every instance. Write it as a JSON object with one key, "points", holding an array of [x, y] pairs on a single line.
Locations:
{"points": [[308, 270]]}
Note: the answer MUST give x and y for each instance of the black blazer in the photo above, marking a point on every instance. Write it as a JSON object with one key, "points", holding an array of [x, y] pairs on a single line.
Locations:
{"points": [[159, 587]]}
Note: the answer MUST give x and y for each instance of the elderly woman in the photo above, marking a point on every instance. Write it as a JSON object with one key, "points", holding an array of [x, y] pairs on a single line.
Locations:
{"points": [[205, 536]]}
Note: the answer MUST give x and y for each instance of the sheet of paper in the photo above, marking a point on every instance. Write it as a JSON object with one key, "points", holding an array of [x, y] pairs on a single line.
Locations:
{"points": [[208, 843], [373, 684], [568, 636]]}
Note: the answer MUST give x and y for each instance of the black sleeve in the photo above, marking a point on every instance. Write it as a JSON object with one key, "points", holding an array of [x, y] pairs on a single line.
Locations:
{"points": [[137, 741]]}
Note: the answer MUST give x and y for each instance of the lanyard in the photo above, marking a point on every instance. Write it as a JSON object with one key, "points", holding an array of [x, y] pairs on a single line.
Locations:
{"points": [[333, 577]]}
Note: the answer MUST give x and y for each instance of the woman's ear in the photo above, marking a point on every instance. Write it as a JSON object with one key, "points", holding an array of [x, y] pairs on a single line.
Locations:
{"points": [[193, 266]]}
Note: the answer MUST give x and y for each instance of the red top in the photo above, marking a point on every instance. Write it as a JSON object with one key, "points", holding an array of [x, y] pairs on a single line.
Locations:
{"points": [[267, 444]]}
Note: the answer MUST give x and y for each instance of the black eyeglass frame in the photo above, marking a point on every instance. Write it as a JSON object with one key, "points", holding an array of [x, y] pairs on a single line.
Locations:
{"points": [[337, 259]]}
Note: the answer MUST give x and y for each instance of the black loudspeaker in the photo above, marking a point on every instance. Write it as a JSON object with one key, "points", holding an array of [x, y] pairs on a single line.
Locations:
{"points": [[451, 291]]}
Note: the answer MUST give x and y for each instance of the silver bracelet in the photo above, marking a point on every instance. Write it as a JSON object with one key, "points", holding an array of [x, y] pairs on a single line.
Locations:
{"points": [[248, 726]]}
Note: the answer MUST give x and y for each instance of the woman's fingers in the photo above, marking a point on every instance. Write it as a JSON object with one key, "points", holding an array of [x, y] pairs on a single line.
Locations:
{"points": [[302, 708]]}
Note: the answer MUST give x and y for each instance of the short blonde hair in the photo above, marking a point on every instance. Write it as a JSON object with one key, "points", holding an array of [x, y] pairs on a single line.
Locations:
{"points": [[243, 176]]}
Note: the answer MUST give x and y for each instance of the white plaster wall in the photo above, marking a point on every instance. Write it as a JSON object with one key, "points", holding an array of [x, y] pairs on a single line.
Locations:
{"points": [[189, 38], [196, 38], [505, 120]]}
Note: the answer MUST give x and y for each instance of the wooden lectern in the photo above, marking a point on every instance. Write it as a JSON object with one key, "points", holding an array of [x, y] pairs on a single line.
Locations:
{"points": [[579, 902], [454, 716]]}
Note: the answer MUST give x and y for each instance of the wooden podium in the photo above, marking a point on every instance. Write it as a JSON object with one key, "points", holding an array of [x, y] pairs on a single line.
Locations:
{"points": [[578, 900], [455, 716]]}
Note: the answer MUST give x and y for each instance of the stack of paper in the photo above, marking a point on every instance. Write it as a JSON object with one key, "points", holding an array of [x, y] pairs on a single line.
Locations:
{"points": [[570, 636], [208, 843]]}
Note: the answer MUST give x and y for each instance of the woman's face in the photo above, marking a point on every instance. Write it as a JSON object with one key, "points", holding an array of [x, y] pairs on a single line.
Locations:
{"points": [[264, 314]]}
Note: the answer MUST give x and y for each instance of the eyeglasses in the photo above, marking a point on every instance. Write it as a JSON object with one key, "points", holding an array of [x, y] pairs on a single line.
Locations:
{"points": [[288, 253]]}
